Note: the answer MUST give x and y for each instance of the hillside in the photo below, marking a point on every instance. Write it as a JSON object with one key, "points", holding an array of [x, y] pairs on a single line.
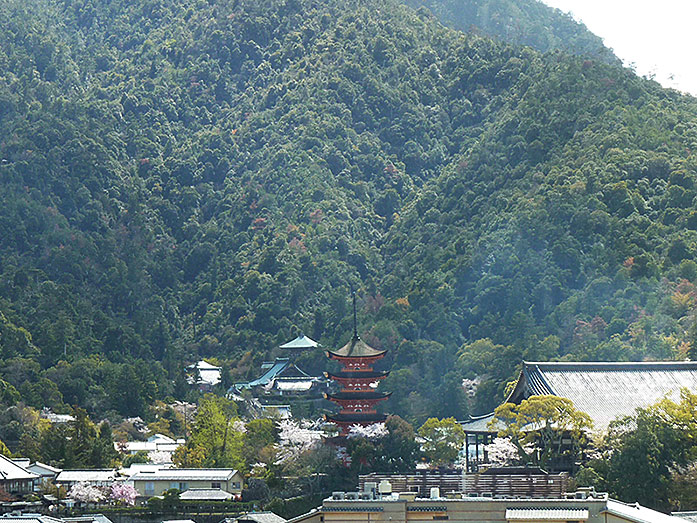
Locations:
{"points": [[205, 179], [520, 22]]}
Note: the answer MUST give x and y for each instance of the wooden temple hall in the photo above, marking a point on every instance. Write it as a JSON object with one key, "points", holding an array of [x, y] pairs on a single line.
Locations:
{"points": [[357, 380], [604, 391]]}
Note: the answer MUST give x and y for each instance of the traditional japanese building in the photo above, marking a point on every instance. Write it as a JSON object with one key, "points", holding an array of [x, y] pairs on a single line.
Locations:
{"points": [[357, 397], [603, 390]]}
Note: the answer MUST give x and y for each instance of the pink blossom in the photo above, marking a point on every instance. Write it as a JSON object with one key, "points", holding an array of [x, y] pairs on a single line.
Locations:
{"points": [[86, 493], [122, 493]]}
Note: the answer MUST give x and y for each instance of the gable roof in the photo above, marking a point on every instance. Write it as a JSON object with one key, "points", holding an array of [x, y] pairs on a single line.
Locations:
{"points": [[9, 470], [606, 391]]}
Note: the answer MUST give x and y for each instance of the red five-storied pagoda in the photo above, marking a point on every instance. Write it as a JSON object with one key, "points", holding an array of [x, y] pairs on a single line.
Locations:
{"points": [[357, 397]]}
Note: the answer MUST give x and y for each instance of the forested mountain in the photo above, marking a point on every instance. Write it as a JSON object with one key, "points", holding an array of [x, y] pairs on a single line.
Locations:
{"points": [[190, 178], [519, 22]]}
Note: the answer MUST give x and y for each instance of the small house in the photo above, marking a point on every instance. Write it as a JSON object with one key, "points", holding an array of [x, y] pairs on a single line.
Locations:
{"points": [[156, 483]]}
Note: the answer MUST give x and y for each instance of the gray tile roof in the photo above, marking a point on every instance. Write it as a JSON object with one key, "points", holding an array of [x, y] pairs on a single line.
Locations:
{"points": [[261, 517], [205, 494], [606, 391], [478, 423]]}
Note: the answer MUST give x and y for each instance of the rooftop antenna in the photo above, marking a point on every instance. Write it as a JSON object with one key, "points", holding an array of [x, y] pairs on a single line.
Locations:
{"points": [[355, 328]]}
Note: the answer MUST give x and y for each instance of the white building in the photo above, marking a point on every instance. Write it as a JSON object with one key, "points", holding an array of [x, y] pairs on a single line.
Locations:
{"points": [[205, 375]]}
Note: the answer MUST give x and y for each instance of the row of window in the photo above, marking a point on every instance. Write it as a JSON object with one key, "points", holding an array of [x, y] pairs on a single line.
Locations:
{"points": [[182, 486]]}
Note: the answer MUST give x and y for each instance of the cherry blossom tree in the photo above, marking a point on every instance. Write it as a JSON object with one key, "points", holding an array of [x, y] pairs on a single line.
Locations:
{"points": [[122, 493], [371, 432], [502, 452], [160, 456], [86, 493], [295, 438]]}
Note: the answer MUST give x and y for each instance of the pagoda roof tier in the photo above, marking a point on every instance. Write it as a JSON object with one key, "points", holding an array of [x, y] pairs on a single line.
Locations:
{"points": [[356, 417], [361, 374], [356, 348], [358, 395]]}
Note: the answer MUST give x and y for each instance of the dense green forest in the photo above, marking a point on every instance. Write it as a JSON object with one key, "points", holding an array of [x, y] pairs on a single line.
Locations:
{"points": [[208, 178]]}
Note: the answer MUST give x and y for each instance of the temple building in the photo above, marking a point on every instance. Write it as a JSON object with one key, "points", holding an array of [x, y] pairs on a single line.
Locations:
{"points": [[357, 380], [282, 377], [604, 391]]}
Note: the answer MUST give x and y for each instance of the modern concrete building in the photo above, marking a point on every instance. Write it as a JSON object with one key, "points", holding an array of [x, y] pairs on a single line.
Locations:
{"points": [[582, 507]]}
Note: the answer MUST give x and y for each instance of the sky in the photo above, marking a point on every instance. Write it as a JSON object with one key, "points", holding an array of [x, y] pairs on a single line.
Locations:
{"points": [[658, 37]]}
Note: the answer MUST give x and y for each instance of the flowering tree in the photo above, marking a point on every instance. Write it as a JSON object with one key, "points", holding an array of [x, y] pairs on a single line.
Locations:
{"points": [[502, 452], [160, 456], [294, 439], [470, 386], [122, 493], [371, 432], [86, 493]]}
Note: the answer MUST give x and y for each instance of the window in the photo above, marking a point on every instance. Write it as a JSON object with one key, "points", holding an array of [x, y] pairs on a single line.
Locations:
{"points": [[183, 486], [215, 484], [149, 488], [174, 484], [440, 517], [235, 484]]}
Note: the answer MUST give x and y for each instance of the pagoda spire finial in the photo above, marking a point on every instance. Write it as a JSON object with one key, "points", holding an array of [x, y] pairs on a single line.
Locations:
{"points": [[355, 326]]}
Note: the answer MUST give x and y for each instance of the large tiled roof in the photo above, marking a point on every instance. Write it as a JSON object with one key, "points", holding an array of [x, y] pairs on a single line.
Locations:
{"points": [[9, 470], [606, 391], [281, 367]]}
